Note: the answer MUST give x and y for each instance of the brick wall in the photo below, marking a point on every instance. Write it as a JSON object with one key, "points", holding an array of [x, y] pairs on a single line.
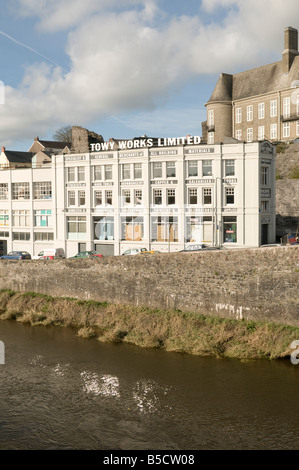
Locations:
{"points": [[259, 284]]}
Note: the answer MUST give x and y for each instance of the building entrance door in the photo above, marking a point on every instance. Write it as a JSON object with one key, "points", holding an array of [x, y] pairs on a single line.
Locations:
{"points": [[264, 234], [3, 247]]}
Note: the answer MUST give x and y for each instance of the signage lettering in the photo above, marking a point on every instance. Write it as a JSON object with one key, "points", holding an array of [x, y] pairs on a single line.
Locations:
{"points": [[143, 143]]}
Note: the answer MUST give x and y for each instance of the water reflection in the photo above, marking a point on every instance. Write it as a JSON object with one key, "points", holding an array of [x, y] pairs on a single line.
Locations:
{"points": [[62, 392]]}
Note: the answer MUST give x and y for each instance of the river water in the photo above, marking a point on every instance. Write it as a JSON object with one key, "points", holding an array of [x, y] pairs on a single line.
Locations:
{"points": [[59, 391]]}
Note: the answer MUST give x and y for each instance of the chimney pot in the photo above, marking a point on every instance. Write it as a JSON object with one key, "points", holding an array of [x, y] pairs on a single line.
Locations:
{"points": [[3, 149]]}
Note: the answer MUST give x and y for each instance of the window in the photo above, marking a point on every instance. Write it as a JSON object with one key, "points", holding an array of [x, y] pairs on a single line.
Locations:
{"points": [[265, 206], [192, 196], [250, 113], [273, 131], [229, 195], [273, 108], [211, 138], [4, 234], [207, 195], [297, 105], [76, 228], [108, 197], [261, 132], [43, 218], [21, 218], [71, 174], [249, 134], [98, 173], [164, 229], [297, 127], [238, 115], [199, 229], [81, 173], [137, 196], [157, 170], [261, 110], [192, 169], [211, 117], [98, 200], [286, 107], [20, 191], [126, 171], [43, 190], [43, 236], [230, 229], [206, 167], [108, 172], [132, 228], [71, 198], [103, 228], [157, 196], [170, 196], [126, 193], [137, 171], [265, 175], [21, 236], [81, 198], [4, 218], [286, 129], [170, 169], [229, 167], [239, 134], [3, 191]]}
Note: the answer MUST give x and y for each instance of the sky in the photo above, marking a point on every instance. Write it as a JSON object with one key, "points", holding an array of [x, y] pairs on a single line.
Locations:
{"points": [[126, 68]]}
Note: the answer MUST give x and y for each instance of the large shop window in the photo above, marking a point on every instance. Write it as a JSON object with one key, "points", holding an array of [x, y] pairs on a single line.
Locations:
{"points": [[43, 218], [103, 228], [164, 229], [20, 191], [43, 190], [199, 229], [76, 228], [3, 191], [230, 229], [132, 229]]}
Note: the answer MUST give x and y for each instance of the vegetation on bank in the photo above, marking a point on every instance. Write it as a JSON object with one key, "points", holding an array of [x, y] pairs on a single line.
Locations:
{"points": [[177, 331]]}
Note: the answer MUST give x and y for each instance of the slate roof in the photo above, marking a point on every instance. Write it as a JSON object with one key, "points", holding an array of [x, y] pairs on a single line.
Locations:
{"points": [[18, 157], [54, 145], [258, 81]]}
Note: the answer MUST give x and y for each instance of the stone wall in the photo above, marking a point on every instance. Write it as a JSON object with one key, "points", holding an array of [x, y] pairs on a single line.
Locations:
{"points": [[82, 138], [256, 284]]}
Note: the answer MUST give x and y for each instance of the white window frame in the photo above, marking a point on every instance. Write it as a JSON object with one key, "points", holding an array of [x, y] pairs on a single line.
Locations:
{"points": [[261, 132], [261, 110], [249, 134], [238, 115], [211, 138], [286, 129], [286, 107], [249, 112], [273, 131], [239, 134], [211, 117], [273, 108]]}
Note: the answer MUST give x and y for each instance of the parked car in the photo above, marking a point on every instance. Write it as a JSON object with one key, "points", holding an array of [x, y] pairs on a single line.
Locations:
{"points": [[198, 247], [57, 252], [134, 251], [86, 254], [50, 257], [17, 255], [150, 252]]}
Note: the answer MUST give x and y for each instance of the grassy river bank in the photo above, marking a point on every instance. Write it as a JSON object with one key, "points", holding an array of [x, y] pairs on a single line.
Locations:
{"points": [[175, 331]]}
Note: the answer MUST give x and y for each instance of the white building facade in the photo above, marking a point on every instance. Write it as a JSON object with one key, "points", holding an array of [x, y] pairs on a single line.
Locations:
{"points": [[161, 198]]}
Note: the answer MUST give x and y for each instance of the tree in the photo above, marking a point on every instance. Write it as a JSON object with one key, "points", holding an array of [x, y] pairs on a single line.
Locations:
{"points": [[64, 134]]}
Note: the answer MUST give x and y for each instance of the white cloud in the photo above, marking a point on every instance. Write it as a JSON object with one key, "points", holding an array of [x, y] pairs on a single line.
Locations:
{"points": [[123, 58]]}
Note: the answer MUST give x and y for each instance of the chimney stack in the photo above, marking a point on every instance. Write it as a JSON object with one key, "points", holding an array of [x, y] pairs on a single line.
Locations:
{"points": [[290, 48], [3, 149]]}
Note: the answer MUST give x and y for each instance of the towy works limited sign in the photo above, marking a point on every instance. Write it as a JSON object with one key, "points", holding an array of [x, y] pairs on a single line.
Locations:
{"points": [[144, 143]]}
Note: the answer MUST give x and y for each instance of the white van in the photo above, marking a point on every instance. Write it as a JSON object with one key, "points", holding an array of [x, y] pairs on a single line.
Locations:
{"points": [[59, 252]]}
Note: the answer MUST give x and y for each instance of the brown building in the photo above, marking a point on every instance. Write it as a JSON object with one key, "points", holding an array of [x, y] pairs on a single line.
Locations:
{"points": [[259, 104]]}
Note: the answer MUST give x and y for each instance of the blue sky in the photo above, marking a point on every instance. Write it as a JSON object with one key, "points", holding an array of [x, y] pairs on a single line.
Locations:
{"points": [[124, 68]]}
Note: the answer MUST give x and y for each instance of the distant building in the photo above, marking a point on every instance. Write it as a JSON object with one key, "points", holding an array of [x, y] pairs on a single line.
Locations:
{"points": [[50, 146], [15, 159], [259, 104]]}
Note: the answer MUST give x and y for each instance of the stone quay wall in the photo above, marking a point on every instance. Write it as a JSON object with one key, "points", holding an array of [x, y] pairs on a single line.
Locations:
{"points": [[255, 284]]}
